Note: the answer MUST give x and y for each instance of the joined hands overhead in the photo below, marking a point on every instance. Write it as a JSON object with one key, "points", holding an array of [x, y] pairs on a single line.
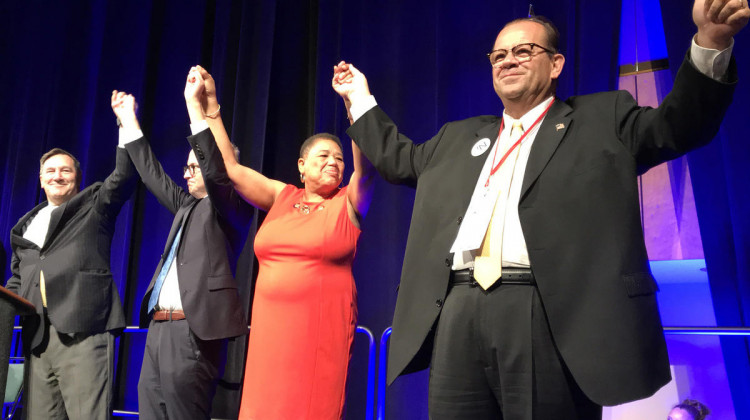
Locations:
{"points": [[350, 84], [200, 93], [124, 106]]}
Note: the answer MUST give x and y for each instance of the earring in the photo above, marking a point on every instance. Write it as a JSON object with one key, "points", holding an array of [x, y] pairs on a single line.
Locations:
{"points": [[302, 178]]}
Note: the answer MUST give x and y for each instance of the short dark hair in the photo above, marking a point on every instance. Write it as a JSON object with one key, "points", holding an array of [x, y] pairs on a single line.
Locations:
{"points": [[553, 35], [310, 141], [696, 408], [57, 151]]}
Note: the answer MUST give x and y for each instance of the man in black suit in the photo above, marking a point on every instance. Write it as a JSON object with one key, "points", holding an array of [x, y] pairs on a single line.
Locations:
{"points": [[191, 306], [60, 262], [526, 285]]}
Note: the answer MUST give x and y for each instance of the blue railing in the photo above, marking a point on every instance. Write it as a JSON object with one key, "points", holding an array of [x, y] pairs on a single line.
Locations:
{"points": [[383, 371], [377, 358], [382, 366], [371, 365]]}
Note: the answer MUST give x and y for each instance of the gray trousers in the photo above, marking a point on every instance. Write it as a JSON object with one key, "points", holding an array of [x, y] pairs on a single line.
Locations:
{"points": [[70, 377], [179, 374]]}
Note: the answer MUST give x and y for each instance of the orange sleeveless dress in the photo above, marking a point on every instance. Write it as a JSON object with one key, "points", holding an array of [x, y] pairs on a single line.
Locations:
{"points": [[304, 311]]}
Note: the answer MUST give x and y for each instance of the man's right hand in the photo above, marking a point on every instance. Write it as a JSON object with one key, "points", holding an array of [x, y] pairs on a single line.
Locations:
{"points": [[718, 21], [124, 106], [349, 83]]}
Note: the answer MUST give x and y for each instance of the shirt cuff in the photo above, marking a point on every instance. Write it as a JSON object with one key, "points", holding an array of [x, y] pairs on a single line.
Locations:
{"points": [[199, 126], [129, 135], [713, 63], [362, 106]]}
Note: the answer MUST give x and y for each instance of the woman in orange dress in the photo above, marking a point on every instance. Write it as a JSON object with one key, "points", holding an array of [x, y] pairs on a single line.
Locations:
{"points": [[305, 307]]}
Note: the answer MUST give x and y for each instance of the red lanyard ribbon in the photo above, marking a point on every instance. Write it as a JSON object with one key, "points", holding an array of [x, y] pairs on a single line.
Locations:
{"points": [[495, 168]]}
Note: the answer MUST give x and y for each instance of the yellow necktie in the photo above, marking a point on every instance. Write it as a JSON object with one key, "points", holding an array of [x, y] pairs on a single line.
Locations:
{"points": [[43, 288], [488, 264]]}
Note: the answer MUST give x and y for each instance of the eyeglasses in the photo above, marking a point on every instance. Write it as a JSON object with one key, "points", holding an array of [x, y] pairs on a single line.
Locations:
{"points": [[192, 169], [521, 52]]}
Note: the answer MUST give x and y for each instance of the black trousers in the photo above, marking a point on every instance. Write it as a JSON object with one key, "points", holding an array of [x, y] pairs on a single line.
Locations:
{"points": [[494, 358], [179, 374]]}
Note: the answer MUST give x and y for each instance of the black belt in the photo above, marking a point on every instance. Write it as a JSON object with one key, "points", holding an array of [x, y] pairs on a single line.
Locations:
{"points": [[511, 275]]}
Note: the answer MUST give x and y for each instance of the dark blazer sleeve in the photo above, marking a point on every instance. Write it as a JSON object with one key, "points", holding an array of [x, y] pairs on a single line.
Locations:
{"points": [[118, 186], [396, 157], [689, 117], [166, 191], [14, 282], [234, 213]]}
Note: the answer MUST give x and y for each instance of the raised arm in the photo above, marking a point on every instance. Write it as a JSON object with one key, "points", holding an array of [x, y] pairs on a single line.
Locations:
{"points": [[166, 191], [396, 158], [360, 188], [119, 185], [253, 186], [229, 206]]}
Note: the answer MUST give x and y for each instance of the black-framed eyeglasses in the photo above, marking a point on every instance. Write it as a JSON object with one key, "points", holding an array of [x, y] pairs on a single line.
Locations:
{"points": [[192, 169], [522, 53]]}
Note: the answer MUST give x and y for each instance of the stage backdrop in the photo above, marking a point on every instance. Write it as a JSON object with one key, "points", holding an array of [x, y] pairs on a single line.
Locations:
{"points": [[426, 65]]}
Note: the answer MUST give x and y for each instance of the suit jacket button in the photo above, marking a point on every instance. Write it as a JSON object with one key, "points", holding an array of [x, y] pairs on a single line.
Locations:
{"points": [[41, 257], [447, 262], [439, 303], [459, 220]]}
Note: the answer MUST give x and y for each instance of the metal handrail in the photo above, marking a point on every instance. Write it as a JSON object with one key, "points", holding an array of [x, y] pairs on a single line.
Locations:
{"points": [[667, 330], [379, 358], [383, 362], [371, 362], [724, 331], [123, 413], [382, 371]]}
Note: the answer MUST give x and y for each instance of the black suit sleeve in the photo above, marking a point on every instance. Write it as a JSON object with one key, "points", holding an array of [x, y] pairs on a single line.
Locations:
{"points": [[14, 282], [689, 117], [397, 158], [234, 212], [118, 186], [166, 191]]}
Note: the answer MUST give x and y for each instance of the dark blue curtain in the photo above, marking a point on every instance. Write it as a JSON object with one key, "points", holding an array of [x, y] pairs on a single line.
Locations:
{"points": [[720, 177], [425, 61]]}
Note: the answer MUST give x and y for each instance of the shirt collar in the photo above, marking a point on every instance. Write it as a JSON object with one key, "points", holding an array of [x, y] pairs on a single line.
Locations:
{"points": [[528, 118]]}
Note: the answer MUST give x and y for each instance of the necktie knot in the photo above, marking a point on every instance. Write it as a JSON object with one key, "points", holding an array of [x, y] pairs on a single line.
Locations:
{"points": [[516, 129]]}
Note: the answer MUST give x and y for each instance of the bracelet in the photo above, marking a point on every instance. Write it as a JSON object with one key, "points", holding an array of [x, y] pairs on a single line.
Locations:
{"points": [[213, 114]]}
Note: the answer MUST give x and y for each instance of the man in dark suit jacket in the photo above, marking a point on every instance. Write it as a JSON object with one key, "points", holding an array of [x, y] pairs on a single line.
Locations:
{"points": [[197, 307], [569, 322], [61, 263]]}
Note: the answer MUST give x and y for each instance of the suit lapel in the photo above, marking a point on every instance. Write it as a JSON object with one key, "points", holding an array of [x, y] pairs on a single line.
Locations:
{"points": [[489, 131], [16, 236], [550, 134], [180, 219], [62, 214], [54, 220]]}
